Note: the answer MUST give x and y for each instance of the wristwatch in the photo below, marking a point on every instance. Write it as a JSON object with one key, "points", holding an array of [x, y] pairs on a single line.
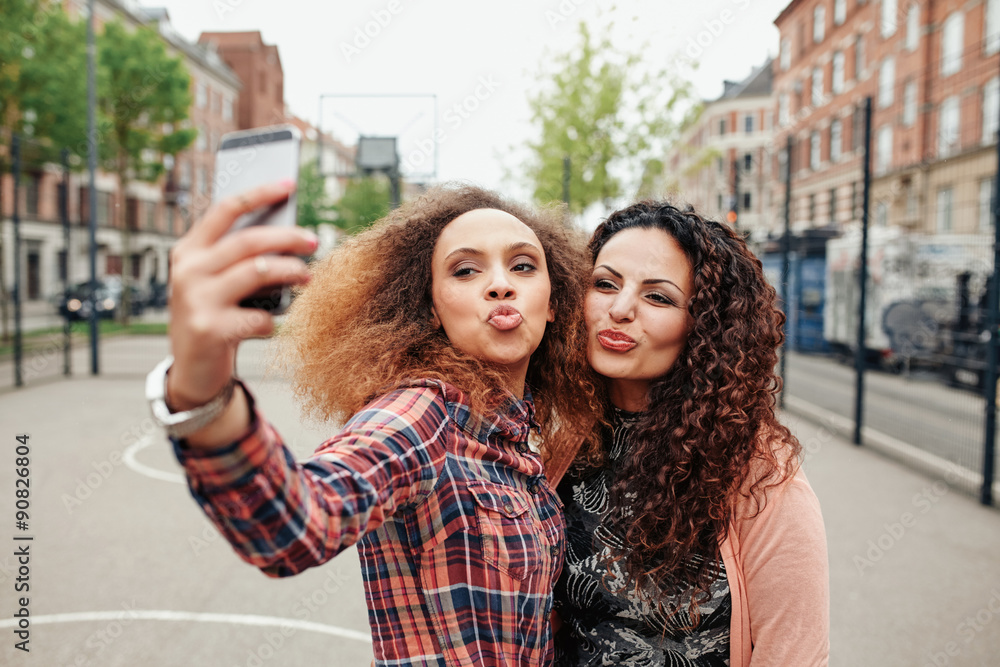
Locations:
{"points": [[182, 424]]}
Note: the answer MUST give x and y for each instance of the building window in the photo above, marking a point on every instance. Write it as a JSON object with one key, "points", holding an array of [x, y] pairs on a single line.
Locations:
{"points": [[910, 103], [859, 57], [718, 165], [227, 108], [31, 195], [944, 202], [833, 204], [985, 205], [786, 54], [819, 24], [886, 82], [991, 109], [882, 214], [746, 201], [883, 151], [951, 44], [150, 207], [837, 85], [912, 27], [199, 179], [103, 208], [747, 162], [201, 94], [748, 123], [836, 140], [812, 209], [814, 145], [855, 200], [718, 202], [200, 142], [722, 127], [992, 38], [857, 128], [817, 86], [784, 117], [948, 119], [839, 11], [888, 22]]}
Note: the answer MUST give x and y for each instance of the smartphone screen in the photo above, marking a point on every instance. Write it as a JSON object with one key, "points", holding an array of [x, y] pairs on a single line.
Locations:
{"points": [[251, 158]]}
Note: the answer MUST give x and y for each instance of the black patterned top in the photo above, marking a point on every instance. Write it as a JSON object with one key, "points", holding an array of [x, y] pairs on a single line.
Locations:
{"points": [[604, 621]]}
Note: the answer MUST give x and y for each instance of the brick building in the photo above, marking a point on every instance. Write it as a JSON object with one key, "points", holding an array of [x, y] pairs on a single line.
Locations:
{"points": [[156, 212], [732, 134], [932, 74], [258, 66]]}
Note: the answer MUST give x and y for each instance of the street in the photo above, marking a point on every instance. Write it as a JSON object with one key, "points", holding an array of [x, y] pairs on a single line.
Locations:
{"points": [[124, 569]]}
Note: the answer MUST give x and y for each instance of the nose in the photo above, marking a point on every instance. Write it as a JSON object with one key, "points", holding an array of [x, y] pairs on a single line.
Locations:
{"points": [[623, 307], [500, 286]]}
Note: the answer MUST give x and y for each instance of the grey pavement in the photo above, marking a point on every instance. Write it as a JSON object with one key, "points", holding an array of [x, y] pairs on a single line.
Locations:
{"points": [[125, 569]]}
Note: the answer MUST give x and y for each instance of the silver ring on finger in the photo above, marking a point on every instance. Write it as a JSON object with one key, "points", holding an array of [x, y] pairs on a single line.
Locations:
{"points": [[261, 265]]}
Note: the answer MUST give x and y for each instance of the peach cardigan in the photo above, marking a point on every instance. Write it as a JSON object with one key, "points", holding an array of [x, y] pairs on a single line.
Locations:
{"points": [[776, 564]]}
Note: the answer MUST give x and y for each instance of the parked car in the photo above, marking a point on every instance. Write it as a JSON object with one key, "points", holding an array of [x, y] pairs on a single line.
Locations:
{"points": [[76, 303]]}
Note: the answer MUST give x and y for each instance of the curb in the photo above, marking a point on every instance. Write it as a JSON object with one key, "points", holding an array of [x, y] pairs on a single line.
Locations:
{"points": [[894, 448]]}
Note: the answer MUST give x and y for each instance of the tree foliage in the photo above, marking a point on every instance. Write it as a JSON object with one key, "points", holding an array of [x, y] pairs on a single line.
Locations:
{"points": [[144, 97], [365, 200], [611, 114], [314, 205]]}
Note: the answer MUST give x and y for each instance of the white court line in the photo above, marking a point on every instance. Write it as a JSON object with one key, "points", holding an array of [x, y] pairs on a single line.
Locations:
{"points": [[161, 615], [130, 460]]}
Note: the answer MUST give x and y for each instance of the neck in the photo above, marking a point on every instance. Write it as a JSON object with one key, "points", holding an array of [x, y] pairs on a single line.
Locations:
{"points": [[629, 395], [514, 380]]}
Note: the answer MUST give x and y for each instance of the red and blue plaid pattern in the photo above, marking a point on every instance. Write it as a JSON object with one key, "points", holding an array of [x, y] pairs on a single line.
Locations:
{"points": [[459, 534]]}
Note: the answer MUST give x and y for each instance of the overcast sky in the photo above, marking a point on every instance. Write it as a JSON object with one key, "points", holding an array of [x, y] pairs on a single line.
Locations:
{"points": [[479, 55]]}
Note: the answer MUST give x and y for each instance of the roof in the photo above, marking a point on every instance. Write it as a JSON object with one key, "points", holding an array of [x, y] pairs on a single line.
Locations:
{"points": [[758, 84]]}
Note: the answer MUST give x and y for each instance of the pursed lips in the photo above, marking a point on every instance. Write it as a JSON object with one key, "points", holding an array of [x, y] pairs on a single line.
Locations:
{"points": [[504, 318], [615, 341]]}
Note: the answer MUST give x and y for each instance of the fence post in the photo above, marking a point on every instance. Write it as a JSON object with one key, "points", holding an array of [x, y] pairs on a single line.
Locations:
{"points": [[15, 149], [859, 355], [786, 249], [64, 218], [992, 327]]}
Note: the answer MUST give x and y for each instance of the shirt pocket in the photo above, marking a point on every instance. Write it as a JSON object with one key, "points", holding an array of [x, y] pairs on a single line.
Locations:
{"points": [[511, 537]]}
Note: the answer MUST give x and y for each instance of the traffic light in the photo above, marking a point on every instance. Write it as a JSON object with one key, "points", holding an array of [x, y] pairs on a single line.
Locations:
{"points": [[731, 217]]}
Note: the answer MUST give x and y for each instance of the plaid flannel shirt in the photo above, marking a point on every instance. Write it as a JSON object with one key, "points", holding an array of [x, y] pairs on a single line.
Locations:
{"points": [[460, 535]]}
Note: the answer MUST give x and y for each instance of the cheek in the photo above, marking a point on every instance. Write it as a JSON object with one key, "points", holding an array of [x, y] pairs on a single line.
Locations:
{"points": [[592, 309]]}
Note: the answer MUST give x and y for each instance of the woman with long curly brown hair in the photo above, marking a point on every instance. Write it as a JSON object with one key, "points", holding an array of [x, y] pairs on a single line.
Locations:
{"points": [[445, 330], [693, 536]]}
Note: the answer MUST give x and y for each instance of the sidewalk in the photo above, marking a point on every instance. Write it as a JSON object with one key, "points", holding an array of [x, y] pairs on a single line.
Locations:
{"points": [[914, 563]]}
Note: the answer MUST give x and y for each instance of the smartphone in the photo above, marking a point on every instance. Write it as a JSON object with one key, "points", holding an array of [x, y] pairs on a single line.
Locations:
{"points": [[250, 158]]}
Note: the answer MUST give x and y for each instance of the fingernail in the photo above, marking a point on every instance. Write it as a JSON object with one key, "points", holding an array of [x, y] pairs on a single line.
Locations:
{"points": [[311, 238], [287, 184]]}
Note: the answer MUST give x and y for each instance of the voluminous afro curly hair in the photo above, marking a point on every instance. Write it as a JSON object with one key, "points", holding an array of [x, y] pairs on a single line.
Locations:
{"points": [[362, 325], [709, 433]]}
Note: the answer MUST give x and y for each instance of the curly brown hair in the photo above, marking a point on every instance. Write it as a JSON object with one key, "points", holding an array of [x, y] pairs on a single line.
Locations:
{"points": [[362, 325], [709, 433]]}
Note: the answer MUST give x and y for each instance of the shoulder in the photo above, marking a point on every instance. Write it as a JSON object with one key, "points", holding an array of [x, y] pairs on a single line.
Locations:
{"points": [[415, 405], [776, 488]]}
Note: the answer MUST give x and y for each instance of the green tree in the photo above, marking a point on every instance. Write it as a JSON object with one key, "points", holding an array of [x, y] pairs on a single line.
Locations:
{"points": [[365, 200], [314, 206], [42, 93], [610, 114], [144, 97]]}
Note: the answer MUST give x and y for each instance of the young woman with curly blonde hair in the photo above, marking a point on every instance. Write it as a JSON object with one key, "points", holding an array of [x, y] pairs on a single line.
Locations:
{"points": [[447, 333], [693, 536]]}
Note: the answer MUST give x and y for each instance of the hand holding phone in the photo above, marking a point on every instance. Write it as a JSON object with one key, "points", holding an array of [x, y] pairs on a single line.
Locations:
{"points": [[251, 158]]}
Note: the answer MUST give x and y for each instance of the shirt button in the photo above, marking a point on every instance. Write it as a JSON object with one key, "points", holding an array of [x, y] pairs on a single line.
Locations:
{"points": [[507, 507], [554, 550], [522, 447], [534, 486]]}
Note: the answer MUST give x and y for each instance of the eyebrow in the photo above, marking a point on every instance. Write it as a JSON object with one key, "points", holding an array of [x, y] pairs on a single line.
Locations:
{"points": [[476, 252], [648, 281]]}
